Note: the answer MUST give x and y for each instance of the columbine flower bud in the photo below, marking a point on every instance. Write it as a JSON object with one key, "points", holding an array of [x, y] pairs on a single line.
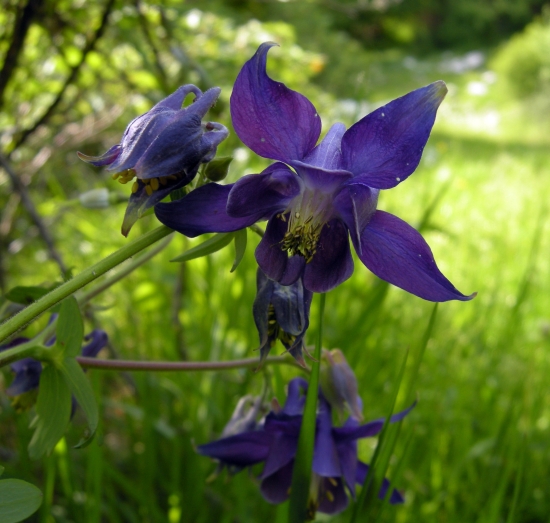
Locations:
{"points": [[217, 169], [163, 149], [339, 384]]}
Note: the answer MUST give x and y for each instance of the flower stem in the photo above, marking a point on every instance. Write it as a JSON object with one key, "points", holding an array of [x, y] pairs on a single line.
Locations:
{"points": [[189, 366], [66, 289], [301, 473]]}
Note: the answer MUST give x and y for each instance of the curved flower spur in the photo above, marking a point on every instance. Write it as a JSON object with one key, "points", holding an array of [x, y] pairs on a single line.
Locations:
{"points": [[314, 195], [163, 149]]}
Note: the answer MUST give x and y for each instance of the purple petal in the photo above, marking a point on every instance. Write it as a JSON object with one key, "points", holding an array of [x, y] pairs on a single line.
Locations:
{"points": [[202, 210], [271, 119], [293, 270], [337, 501], [269, 255], [27, 376], [269, 192], [241, 450], [398, 254], [347, 455], [328, 153], [105, 159], [332, 263], [275, 488], [355, 204], [385, 147]]}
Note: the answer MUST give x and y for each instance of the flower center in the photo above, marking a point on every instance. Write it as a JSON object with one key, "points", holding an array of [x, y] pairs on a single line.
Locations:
{"points": [[151, 184], [306, 217]]}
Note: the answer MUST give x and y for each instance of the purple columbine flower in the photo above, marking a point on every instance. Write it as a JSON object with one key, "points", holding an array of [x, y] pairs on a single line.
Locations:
{"points": [[336, 468], [28, 370], [316, 195], [163, 149], [281, 312]]}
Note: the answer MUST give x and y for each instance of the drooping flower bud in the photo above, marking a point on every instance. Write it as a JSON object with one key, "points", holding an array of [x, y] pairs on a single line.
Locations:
{"points": [[217, 169], [339, 384]]}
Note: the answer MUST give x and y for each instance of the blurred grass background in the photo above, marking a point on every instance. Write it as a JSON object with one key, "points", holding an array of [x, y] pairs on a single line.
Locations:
{"points": [[480, 433]]}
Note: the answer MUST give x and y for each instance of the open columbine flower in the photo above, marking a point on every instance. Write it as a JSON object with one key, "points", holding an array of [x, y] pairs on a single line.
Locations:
{"points": [[335, 463], [163, 149], [281, 312], [314, 196]]}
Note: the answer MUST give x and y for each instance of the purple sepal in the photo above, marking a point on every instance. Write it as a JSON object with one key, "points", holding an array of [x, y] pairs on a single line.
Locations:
{"points": [[333, 263], [271, 119], [97, 340], [397, 253], [241, 450], [325, 456], [202, 210], [395, 497], [385, 147], [267, 193]]}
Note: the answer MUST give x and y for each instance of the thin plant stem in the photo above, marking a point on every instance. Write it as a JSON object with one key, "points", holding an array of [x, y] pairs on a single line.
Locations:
{"points": [[301, 473], [187, 366], [86, 276]]}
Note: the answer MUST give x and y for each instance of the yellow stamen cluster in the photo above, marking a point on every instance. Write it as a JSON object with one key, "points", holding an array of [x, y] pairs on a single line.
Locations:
{"points": [[302, 236], [274, 330], [151, 184]]}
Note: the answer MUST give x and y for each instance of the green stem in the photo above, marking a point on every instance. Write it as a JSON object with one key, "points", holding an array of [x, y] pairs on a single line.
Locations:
{"points": [[189, 366], [122, 273], [18, 352], [49, 300], [301, 473]]}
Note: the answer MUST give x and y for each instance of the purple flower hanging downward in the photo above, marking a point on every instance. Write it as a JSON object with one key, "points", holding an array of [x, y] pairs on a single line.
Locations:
{"points": [[163, 149], [336, 468], [317, 195]]}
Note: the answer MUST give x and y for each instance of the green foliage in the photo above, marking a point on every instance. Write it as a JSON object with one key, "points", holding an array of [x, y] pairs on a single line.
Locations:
{"points": [[524, 61], [213, 244], [18, 500], [69, 331], [53, 410]]}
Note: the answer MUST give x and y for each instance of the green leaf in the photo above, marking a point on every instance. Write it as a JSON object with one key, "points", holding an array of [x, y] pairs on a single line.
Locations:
{"points": [[1, 470], [217, 169], [214, 244], [18, 500], [26, 295], [240, 247], [82, 390], [70, 329], [53, 411]]}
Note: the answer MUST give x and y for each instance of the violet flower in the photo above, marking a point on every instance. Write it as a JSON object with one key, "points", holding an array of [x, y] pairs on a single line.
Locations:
{"points": [[336, 468], [281, 312], [28, 370], [163, 149], [314, 196]]}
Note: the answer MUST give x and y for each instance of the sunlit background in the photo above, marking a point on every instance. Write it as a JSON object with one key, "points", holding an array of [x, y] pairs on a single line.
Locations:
{"points": [[479, 439]]}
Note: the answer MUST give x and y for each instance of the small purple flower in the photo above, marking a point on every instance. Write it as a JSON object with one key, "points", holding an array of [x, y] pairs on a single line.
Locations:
{"points": [[28, 370], [163, 149], [281, 312], [317, 195], [336, 468]]}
